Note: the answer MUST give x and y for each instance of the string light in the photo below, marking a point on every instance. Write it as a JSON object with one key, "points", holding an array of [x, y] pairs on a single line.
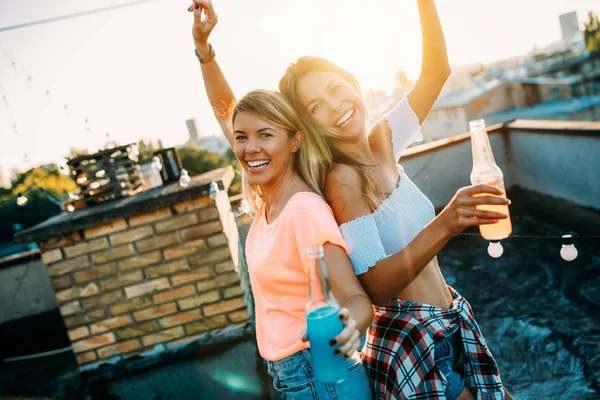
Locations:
{"points": [[568, 251], [213, 190], [32, 81], [109, 143], [133, 150], [156, 164], [21, 200], [495, 249], [184, 179], [63, 168]]}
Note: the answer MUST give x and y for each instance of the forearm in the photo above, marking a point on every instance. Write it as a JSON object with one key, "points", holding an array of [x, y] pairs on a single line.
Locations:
{"points": [[435, 56], [394, 273], [219, 92], [361, 311]]}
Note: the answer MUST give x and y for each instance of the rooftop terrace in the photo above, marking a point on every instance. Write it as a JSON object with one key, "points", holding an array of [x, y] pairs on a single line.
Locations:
{"points": [[540, 314]]}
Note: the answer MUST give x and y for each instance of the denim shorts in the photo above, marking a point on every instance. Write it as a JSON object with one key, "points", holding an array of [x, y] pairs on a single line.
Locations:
{"points": [[449, 361], [294, 380]]}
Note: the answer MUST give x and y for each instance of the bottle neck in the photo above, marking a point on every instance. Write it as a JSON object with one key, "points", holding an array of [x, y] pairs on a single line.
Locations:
{"points": [[318, 281], [483, 157]]}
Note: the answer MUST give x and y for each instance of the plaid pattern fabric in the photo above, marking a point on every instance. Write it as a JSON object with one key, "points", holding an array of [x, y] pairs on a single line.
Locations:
{"points": [[400, 344]]}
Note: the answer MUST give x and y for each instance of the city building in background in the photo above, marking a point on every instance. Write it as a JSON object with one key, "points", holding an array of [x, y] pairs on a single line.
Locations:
{"points": [[569, 26], [558, 82], [217, 144]]}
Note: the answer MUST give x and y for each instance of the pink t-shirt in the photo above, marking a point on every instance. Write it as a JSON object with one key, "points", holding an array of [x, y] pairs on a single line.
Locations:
{"points": [[276, 255]]}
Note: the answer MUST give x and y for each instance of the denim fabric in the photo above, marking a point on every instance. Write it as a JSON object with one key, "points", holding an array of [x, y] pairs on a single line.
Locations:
{"points": [[293, 379], [448, 359]]}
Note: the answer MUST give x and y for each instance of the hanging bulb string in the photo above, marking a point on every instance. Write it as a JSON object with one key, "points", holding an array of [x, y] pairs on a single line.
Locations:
{"points": [[34, 185], [6, 104], [537, 236], [33, 82]]}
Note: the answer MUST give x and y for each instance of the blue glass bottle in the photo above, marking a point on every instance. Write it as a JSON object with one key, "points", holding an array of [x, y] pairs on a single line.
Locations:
{"points": [[322, 322]]}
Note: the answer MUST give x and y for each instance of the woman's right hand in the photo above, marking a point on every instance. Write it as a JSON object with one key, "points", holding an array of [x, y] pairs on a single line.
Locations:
{"points": [[461, 213], [203, 27]]}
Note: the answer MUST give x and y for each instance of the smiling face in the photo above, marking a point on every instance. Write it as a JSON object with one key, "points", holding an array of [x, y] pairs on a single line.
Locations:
{"points": [[265, 150], [332, 103]]}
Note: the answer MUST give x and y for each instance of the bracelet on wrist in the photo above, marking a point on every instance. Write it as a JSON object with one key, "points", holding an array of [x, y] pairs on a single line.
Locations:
{"points": [[208, 57]]}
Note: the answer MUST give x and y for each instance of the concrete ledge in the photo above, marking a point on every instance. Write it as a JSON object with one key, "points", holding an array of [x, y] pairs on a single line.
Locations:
{"points": [[447, 142], [579, 128]]}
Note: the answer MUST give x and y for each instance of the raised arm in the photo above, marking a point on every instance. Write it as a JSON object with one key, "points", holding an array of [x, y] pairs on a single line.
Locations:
{"points": [[219, 93], [391, 274], [435, 67], [435, 70]]}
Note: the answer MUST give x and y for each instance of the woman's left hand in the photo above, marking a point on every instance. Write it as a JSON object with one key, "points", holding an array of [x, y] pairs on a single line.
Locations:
{"points": [[349, 337]]}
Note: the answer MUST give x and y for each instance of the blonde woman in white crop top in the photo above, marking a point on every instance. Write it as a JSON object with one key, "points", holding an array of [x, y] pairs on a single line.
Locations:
{"points": [[394, 252]]}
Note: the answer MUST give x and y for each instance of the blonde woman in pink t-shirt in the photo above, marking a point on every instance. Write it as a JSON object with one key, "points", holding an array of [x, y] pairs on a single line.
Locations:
{"points": [[284, 167]]}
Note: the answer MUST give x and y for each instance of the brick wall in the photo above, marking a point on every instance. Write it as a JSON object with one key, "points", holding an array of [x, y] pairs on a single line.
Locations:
{"points": [[163, 276]]}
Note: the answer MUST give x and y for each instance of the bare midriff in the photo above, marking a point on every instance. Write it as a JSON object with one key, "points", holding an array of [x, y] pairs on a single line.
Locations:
{"points": [[428, 288]]}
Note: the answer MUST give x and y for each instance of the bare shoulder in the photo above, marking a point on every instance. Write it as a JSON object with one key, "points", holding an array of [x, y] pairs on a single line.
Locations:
{"points": [[344, 192], [380, 137]]}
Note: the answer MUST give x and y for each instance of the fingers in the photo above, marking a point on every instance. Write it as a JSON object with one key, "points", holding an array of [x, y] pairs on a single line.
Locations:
{"points": [[477, 189], [350, 347], [473, 221], [208, 8], [346, 337], [197, 12], [484, 214], [481, 200], [344, 314], [349, 327]]}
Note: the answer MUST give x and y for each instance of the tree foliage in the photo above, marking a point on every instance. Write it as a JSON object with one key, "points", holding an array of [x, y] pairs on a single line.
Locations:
{"points": [[43, 186], [591, 33]]}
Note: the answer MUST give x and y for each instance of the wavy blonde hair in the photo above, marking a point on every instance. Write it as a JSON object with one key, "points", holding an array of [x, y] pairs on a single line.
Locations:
{"points": [[288, 86], [311, 161]]}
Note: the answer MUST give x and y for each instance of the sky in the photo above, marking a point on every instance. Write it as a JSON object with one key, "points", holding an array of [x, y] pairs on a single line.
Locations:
{"points": [[131, 71]]}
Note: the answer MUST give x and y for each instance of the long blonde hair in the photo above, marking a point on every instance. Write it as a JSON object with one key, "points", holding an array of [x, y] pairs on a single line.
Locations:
{"points": [[311, 161], [288, 87]]}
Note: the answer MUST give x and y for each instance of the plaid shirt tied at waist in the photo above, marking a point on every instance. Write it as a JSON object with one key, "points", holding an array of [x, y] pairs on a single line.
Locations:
{"points": [[399, 354]]}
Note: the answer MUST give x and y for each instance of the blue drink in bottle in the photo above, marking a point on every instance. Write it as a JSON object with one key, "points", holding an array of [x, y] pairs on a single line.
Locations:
{"points": [[322, 322]]}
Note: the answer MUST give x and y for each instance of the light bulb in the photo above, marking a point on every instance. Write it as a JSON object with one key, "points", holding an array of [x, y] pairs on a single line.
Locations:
{"points": [[213, 191], [156, 164], [568, 251], [495, 249], [21, 200], [63, 168], [184, 179], [70, 208], [134, 150]]}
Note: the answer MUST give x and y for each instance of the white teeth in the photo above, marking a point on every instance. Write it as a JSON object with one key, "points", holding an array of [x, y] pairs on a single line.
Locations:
{"points": [[345, 118], [257, 164]]}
